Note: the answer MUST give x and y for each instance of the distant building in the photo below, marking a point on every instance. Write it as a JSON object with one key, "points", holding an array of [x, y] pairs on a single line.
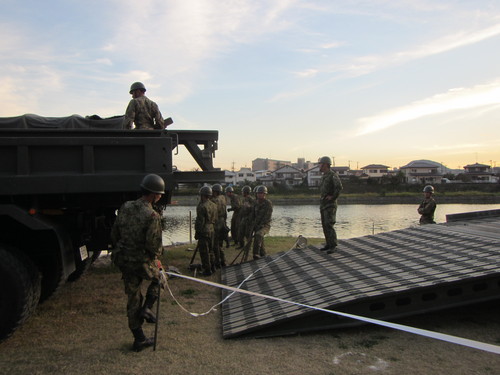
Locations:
{"points": [[422, 172], [375, 170], [480, 173], [288, 175], [303, 165], [268, 164], [245, 175]]}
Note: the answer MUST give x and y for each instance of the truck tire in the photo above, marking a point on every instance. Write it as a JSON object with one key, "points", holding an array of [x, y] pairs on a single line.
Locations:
{"points": [[18, 291]]}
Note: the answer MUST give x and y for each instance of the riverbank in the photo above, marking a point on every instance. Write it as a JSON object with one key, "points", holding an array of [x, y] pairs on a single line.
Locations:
{"points": [[192, 200]]}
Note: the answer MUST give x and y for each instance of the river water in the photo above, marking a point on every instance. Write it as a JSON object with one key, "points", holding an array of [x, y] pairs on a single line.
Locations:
{"points": [[353, 220]]}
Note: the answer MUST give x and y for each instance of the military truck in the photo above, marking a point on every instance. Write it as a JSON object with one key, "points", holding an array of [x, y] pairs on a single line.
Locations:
{"points": [[61, 182]]}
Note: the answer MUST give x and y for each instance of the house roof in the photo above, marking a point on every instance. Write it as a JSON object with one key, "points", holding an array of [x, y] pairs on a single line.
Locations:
{"points": [[477, 165], [377, 166], [422, 164]]}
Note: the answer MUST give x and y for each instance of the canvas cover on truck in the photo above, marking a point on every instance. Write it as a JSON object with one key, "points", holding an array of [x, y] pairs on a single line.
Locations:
{"points": [[32, 121]]}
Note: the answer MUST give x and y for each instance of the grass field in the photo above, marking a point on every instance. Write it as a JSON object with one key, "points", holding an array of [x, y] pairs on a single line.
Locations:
{"points": [[83, 330]]}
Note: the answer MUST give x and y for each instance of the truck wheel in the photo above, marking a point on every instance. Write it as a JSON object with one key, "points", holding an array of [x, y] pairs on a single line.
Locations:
{"points": [[17, 292]]}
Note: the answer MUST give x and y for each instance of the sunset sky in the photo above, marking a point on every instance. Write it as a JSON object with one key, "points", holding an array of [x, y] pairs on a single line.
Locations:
{"points": [[366, 82]]}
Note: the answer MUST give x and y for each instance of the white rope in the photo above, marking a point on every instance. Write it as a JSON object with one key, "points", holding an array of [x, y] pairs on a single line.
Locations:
{"points": [[301, 242], [422, 332]]}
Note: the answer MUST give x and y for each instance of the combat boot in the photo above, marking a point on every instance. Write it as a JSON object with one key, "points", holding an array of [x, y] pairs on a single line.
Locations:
{"points": [[141, 341], [146, 313]]}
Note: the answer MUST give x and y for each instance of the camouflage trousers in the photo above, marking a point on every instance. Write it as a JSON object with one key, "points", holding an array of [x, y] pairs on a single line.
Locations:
{"points": [[328, 218], [205, 248], [259, 248], [133, 283]]}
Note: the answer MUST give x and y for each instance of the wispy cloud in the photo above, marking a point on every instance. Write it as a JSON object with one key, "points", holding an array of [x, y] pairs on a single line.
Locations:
{"points": [[453, 100]]}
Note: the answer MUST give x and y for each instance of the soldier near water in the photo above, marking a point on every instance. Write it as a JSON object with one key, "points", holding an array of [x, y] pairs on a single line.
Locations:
{"points": [[428, 206], [235, 200], [142, 111], [246, 219], [137, 244], [330, 188], [206, 217], [262, 213], [220, 226]]}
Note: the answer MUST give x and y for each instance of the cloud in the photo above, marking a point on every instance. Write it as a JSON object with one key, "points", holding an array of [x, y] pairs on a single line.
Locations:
{"points": [[453, 100]]}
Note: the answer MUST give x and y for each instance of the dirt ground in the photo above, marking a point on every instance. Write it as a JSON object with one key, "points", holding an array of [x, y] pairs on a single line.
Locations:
{"points": [[83, 330]]}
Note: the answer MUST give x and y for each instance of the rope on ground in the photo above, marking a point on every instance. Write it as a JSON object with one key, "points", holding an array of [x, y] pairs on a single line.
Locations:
{"points": [[300, 243], [422, 332]]}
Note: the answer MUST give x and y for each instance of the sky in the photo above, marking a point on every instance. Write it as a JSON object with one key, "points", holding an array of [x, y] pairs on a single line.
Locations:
{"points": [[365, 82]]}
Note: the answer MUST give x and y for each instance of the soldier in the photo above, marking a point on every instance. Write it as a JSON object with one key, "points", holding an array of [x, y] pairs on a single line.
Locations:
{"points": [[246, 219], [206, 217], [235, 208], [427, 207], [137, 243], [330, 188], [142, 111], [263, 211], [220, 226]]}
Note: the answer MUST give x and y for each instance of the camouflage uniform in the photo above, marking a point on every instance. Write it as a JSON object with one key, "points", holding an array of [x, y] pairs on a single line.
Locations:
{"points": [[220, 227], [206, 216], [235, 219], [144, 113], [426, 209], [246, 221], [330, 186], [137, 240], [262, 214]]}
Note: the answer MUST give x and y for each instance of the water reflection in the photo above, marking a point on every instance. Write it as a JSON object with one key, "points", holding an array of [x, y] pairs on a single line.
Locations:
{"points": [[352, 220]]}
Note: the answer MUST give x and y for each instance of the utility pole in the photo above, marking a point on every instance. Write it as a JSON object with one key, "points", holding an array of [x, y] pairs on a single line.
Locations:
{"points": [[333, 161]]}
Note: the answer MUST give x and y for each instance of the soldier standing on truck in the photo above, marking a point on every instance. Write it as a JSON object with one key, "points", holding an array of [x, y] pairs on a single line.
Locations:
{"points": [[136, 237], [142, 111]]}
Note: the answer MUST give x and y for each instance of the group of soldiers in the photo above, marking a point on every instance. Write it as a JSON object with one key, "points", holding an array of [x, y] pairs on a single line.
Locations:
{"points": [[250, 222]]}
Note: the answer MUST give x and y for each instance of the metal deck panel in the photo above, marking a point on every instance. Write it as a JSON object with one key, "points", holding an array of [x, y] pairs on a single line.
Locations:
{"points": [[365, 273]]}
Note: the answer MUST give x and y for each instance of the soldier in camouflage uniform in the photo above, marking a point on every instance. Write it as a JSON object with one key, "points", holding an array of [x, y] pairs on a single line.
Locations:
{"points": [[235, 219], [220, 226], [330, 188], [142, 111], [246, 219], [137, 243], [427, 207], [262, 213], [206, 216]]}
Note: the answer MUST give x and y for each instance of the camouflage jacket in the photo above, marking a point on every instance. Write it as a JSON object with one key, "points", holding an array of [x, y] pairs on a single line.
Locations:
{"points": [[206, 216], [262, 213], [426, 209], [330, 185], [144, 113], [136, 234], [235, 203], [220, 201]]}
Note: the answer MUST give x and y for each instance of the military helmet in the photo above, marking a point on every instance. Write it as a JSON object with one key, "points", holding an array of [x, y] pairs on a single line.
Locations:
{"points": [[260, 189], [246, 189], [325, 160], [429, 189], [229, 189], [206, 190], [153, 184], [217, 188], [137, 86]]}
